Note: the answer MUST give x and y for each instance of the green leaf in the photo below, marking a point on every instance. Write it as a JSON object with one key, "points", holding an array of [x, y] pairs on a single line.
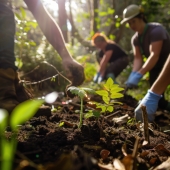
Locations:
{"points": [[106, 99], [24, 112], [113, 102], [116, 89], [61, 124], [116, 95], [109, 83], [34, 24], [102, 92], [102, 107], [18, 16], [88, 90], [92, 113], [23, 12], [77, 91], [110, 109]]}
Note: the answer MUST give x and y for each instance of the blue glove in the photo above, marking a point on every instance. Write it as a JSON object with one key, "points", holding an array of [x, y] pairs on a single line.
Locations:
{"points": [[150, 100], [133, 79], [98, 78]]}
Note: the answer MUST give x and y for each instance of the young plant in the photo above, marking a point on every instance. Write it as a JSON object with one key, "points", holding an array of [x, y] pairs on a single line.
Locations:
{"points": [[111, 91], [81, 92], [19, 115], [109, 94]]}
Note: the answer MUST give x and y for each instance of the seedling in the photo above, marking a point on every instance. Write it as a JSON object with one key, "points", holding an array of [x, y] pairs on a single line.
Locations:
{"points": [[82, 93], [109, 93]]}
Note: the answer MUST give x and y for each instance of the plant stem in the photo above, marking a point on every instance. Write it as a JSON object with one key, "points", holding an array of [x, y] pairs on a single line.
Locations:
{"points": [[81, 113]]}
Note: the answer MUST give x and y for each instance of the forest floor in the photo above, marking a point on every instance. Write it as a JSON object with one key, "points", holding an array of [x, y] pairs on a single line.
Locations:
{"points": [[100, 143]]}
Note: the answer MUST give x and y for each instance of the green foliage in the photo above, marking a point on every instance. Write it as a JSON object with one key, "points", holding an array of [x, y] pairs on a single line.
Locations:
{"points": [[111, 92], [61, 124]]}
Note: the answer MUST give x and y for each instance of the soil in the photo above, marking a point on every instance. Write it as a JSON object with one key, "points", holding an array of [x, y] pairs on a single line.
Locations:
{"points": [[43, 144]]}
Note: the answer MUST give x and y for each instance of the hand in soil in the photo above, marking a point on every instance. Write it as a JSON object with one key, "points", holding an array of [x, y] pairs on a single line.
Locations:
{"points": [[74, 71]]}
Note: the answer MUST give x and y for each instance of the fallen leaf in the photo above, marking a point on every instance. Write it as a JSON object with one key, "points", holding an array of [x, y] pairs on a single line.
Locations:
{"points": [[104, 154], [162, 150]]}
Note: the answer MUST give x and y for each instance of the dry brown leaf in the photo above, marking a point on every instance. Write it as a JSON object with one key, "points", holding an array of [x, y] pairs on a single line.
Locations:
{"points": [[144, 154], [153, 161], [128, 162], [162, 150], [104, 154]]}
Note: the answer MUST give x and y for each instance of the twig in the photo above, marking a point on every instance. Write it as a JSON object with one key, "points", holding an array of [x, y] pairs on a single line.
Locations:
{"points": [[113, 114], [145, 124], [135, 149], [135, 152], [37, 82]]}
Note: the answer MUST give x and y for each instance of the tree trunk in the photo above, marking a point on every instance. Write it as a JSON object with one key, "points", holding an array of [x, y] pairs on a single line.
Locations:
{"points": [[95, 15], [63, 18]]}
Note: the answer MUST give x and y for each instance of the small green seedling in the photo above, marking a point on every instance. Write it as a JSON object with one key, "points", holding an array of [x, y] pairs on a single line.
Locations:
{"points": [[109, 94], [19, 115], [111, 91], [61, 124], [81, 92]]}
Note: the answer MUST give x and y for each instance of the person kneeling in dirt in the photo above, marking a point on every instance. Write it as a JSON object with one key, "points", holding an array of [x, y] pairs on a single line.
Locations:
{"points": [[11, 90], [151, 40], [112, 58], [154, 95]]}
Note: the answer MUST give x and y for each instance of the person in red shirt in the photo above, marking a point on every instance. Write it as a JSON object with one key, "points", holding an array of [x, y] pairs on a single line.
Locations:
{"points": [[9, 81]]}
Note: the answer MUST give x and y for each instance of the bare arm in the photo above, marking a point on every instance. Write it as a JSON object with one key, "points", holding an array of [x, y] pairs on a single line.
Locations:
{"points": [[155, 49], [138, 61], [74, 71], [104, 62], [49, 27], [163, 80]]}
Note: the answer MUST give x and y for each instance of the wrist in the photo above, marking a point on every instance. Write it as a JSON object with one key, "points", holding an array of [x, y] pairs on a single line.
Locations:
{"points": [[142, 71], [155, 95]]}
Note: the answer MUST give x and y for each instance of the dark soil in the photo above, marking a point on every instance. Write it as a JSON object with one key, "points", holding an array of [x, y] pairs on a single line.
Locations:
{"points": [[42, 142]]}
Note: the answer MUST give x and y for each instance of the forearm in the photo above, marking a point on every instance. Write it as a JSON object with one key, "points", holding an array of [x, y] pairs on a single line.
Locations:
{"points": [[163, 80], [137, 64], [102, 68], [48, 27], [149, 64]]}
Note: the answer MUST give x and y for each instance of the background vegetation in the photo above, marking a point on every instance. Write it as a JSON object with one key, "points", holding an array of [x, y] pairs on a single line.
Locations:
{"points": [[79, 20]]}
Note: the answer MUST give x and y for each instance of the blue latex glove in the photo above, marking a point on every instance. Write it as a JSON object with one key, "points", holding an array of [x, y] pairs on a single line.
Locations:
{"points": [[98, 78], [133, 79], [150, 100]]}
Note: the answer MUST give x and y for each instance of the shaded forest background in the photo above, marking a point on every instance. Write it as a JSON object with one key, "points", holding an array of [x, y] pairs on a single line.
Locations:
{"points": [[79, 20]]}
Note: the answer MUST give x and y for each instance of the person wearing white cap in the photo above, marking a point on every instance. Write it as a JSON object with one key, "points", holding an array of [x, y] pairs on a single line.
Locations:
{"points": [[151, 40]]}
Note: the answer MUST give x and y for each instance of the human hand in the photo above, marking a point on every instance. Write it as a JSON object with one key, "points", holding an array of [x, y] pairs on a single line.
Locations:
{"points": [[74, 71], [133, 79], [98, 78], [150, 100]]}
